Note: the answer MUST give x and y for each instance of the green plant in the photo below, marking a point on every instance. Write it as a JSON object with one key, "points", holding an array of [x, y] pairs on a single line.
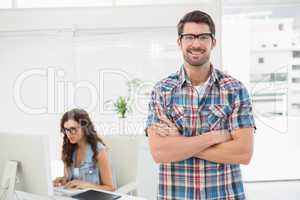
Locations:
{"points": [[121, 106]]}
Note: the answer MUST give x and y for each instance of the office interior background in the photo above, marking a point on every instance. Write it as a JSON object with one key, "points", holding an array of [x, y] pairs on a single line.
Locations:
{"points": [[57, 55]]}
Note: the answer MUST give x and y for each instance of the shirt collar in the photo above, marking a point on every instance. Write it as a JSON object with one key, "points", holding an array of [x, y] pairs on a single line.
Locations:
{"points": [[184, 79]]}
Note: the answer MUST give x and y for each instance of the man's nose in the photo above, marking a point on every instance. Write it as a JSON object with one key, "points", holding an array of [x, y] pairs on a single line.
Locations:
{"points": [[197, 42]]}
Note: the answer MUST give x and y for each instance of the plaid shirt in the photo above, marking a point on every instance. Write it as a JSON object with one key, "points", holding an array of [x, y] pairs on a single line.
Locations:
{"points": [[224, 105]]}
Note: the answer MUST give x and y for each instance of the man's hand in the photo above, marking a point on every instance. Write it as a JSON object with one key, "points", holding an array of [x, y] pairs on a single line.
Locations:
{"points": [[164, 130], [166, 127]]}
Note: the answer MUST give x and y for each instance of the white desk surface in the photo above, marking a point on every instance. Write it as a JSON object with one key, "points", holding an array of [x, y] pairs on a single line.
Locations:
{"points": [[29, 196]]}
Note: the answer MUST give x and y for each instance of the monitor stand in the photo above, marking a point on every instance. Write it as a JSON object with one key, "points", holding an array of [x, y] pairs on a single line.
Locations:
{"points": [[7, 187]]}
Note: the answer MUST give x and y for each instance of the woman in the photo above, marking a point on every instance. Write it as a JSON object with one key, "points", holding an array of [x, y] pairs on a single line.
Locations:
{"points": [[86, 162]]}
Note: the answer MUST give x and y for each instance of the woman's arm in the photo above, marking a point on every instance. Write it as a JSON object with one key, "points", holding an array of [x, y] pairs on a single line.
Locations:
{"points": [[66, 173], [105, 171], [61, 181]]}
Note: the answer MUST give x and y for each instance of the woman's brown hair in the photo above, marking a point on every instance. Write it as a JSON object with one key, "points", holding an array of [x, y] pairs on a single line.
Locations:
{"points": [[83, 119]]}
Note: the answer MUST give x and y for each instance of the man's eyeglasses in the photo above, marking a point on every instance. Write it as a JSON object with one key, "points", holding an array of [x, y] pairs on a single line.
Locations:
{"points": [[190, 38], [71, 130]]}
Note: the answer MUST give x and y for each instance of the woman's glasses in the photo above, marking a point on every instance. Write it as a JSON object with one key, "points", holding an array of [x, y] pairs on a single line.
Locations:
{"points": [[70, 131]]}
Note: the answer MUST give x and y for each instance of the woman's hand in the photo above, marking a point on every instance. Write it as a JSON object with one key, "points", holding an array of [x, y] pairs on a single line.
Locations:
{"points": [[77, 184], [60, 181]]}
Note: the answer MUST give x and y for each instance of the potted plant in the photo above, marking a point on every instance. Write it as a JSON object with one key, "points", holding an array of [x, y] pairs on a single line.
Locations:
{"points": [[121, 106]]}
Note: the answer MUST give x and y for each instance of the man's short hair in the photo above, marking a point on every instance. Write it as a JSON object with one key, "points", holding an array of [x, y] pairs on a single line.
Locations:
{"points": [[196, 16]]}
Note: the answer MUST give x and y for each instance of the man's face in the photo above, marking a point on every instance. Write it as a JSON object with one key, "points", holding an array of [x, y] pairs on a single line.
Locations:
{"points": [[196, 51]]}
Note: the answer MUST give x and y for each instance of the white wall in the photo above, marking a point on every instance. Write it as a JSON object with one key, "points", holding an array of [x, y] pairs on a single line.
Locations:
{"points": [[236, 47]]}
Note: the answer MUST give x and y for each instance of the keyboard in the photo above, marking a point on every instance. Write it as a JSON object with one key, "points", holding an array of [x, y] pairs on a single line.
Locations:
{"points": [[62, 191]]}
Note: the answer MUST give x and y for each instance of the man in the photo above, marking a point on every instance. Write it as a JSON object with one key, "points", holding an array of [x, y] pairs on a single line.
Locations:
{"points": [[200, 123]]}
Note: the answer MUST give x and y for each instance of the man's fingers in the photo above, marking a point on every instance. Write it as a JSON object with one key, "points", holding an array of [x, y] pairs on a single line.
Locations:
{"points": [[161, 116], [162, 125], [173, 131], [162, 132], [164, 119], [158, 110], [160, 129]]}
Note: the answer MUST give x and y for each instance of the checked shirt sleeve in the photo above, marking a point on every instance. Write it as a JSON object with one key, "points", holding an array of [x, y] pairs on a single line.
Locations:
{"points": [[155, 105], [242, 115]]}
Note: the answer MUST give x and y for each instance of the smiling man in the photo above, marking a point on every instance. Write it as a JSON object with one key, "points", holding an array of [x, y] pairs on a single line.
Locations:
{"points": [[200, 122]]}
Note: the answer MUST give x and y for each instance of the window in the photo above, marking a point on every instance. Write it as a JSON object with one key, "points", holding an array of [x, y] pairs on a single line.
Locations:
{"points": [[296, 106], [261, 60], [295, 80], [275, 100], [270, 77], [295, 92], [295, 67], [296, 54], [280, 77], [5, 4], [280, 27]]}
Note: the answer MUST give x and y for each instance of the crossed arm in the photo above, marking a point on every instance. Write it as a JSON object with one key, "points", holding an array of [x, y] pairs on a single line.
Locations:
{"points": [[239, 150], [167, 145], [177, 148]]}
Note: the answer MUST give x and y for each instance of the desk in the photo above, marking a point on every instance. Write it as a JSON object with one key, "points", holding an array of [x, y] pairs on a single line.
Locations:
{"points": [[29, 196]]}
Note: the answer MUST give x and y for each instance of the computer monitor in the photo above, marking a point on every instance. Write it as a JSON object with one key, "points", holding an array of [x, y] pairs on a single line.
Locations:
{"points": [[33, 156]]}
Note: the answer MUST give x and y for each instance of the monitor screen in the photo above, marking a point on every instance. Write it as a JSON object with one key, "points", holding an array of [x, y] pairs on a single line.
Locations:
{"points": [[33, 156]]}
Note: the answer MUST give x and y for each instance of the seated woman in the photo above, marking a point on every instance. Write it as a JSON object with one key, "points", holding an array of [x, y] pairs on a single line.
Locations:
{"points": [[86, 161]]}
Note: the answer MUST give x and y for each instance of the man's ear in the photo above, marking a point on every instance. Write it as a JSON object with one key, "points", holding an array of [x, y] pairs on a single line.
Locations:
{"points": [[179, 42], [214, 42]]}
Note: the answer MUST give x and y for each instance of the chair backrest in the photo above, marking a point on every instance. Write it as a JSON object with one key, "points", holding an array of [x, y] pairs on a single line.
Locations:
{"points": [[123, 151]]}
